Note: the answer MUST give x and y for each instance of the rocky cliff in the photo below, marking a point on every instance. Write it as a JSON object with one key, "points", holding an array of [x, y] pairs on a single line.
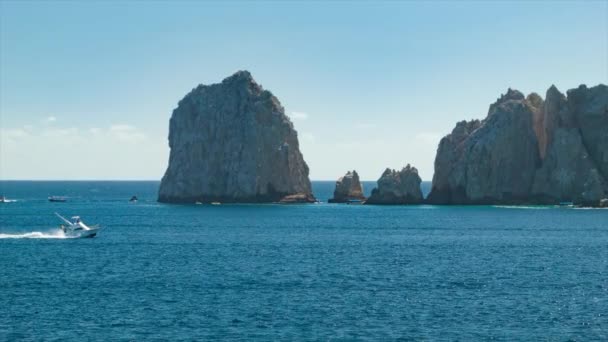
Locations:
{"points": [[528, 150], [232, 142], [397, 187], [348, 188]]}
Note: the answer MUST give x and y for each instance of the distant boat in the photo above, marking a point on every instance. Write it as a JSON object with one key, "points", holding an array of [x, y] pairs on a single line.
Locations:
{"points": [[215, 203], [76, 228], [57, 199], [133, 199], [5, 200]]}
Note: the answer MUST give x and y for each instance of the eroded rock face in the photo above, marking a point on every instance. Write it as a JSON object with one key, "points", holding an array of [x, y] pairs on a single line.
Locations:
{"points": [[348, 188], [495, 162], [232, 142], [576, 153], [528, 151], [397, 187]]}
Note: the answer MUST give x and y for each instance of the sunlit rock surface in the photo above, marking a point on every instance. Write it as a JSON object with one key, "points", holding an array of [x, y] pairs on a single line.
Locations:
{"points": [[528, 150], [232, 142]]}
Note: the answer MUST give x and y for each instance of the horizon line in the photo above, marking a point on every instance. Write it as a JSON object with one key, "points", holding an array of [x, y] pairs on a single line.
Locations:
{"points": [[135, 180]]}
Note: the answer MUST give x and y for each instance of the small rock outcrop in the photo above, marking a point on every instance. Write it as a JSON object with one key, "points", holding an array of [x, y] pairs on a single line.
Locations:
{"points": [[397, 187], [528, 150], [232, 142], [348, 189]]}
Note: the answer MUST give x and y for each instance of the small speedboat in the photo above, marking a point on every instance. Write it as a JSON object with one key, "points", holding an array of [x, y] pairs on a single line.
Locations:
{"points": [[133, 199], [5, 200], [75, 228], [57, 199]]}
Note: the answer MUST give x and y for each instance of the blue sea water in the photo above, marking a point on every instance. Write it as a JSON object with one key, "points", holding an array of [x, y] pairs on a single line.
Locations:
{"points": [[296, 272]]}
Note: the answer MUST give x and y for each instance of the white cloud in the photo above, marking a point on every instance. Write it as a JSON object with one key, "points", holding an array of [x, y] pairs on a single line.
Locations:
{"points": [[26, 154], [299, 116], [61, 132], [13, 134], [126, 133], [50, 119]]}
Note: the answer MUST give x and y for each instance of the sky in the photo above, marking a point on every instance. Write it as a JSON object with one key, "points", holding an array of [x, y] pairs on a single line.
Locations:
{"points": [[87, 88]]}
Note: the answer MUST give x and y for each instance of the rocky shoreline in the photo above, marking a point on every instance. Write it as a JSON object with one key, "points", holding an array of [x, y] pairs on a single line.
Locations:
{"points": [[231, 142]]}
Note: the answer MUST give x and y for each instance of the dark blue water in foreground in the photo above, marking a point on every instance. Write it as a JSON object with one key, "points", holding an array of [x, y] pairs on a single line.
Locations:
{"points": [[301, 272]]}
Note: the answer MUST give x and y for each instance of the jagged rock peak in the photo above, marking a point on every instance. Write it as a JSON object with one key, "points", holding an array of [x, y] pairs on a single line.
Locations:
{"points": [[510, 95], [529, 151], [348, 189], [397, 187], [239, 76], [232, 142], [535, 100]]}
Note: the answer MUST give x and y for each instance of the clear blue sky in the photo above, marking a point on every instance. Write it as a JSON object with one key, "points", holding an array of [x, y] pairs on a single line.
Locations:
{"points": [[87, 88]]}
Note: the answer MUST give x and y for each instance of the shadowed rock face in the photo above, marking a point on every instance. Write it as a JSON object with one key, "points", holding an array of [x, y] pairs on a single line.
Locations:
{"points": [[528, 151], [232, 142], [575, 166], [397, 187], [348, 188]]}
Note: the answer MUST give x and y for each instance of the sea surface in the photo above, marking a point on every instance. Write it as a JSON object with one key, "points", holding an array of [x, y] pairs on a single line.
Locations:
{"points": [[296, 272]]}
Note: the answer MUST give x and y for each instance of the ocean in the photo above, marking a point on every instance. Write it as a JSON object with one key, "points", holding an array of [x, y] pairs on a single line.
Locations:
{"points": [[296, 272]]}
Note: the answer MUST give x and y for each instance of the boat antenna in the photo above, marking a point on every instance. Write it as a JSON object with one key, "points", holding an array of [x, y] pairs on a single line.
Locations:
{"points": [[64, 219]]}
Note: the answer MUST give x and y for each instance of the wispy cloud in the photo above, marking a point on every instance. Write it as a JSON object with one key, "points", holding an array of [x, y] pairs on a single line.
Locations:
{"points": [[298, 116], [126, 133], [50, 119], [14, 134], [61, 132]]}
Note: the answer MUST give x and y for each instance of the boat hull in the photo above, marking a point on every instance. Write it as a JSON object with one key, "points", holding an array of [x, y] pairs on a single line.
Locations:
{"points": [[82, 234]]}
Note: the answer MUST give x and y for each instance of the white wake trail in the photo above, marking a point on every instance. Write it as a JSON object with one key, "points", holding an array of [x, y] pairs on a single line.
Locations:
{"points": [[57, 234]]}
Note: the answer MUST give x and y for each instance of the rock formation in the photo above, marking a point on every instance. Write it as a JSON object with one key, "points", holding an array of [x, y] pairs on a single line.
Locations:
{"points": [[348, 188], [232, 142], [397, 187], [528, 151]]}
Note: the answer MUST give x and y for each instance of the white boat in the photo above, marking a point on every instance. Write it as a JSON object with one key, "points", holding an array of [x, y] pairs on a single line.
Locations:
{"points": [[6, 200], [76, 228]]}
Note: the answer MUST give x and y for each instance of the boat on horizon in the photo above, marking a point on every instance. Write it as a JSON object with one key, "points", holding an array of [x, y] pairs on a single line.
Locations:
{"points": [[6, 200], [57, 199], [76, 228]]}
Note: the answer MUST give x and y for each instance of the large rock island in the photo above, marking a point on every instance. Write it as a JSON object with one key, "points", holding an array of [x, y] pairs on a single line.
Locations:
{"points": [[232, 142], [348, 189], [528, 150], [397, 187]]}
